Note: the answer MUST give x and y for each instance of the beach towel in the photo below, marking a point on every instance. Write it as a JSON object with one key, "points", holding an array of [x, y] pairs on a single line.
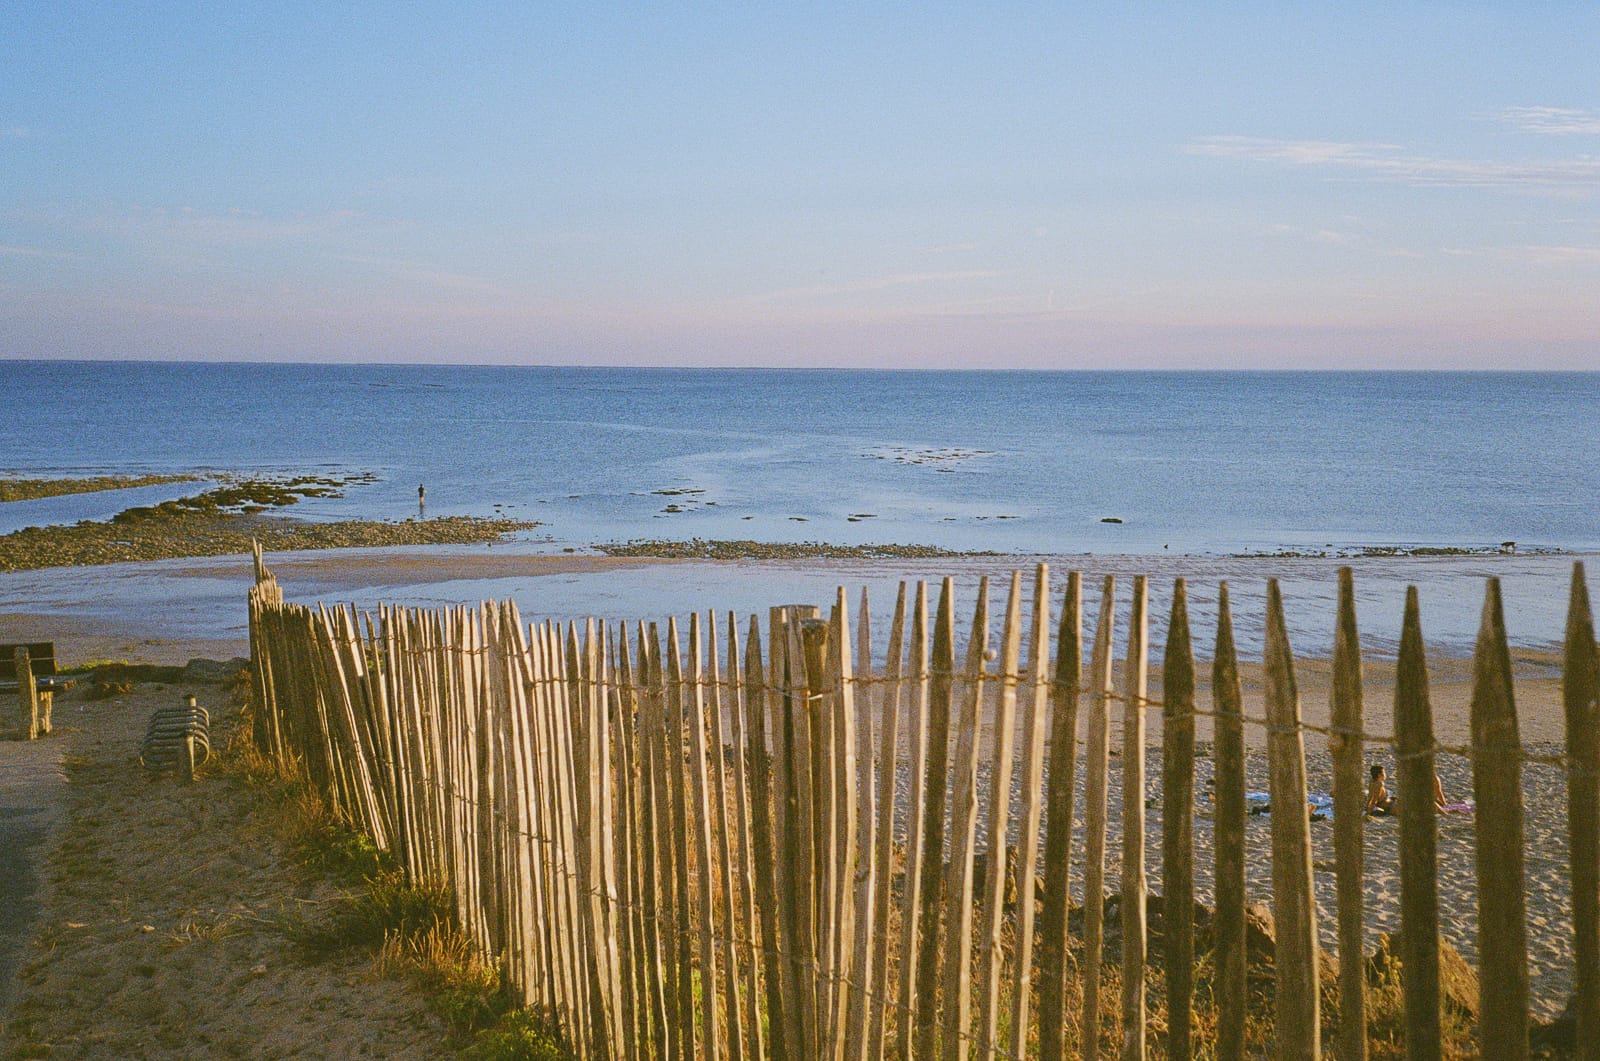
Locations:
{"points": [[1319, 803], [1458, 808]]}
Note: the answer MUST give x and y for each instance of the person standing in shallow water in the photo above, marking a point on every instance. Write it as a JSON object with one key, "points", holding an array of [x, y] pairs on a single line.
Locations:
{"points": [[422, 497]]}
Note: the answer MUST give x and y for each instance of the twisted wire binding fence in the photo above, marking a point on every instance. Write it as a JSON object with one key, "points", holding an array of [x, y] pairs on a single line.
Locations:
{"points": [[781, 848]]}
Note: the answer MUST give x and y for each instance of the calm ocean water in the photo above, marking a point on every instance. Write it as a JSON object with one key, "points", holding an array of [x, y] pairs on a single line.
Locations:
{"points": [[1191, 463]]}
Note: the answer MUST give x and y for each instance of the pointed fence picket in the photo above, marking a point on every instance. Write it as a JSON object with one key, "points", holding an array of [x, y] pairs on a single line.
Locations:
{"points": [[703, 850]]}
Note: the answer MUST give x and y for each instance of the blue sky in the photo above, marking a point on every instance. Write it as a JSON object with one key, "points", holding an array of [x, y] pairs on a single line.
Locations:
{"points": [[1063, 185]]}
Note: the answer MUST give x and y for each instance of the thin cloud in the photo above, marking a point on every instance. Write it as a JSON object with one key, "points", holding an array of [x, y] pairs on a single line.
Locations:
{"points": [[1551, 121], [14, 132], [32, 252], [227, 226], [870, 284], [422, 273], [1537, 254], [1391, 163]]}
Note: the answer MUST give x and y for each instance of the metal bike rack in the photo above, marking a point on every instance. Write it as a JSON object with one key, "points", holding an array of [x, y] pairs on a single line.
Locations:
{"points": [[179, 738]]}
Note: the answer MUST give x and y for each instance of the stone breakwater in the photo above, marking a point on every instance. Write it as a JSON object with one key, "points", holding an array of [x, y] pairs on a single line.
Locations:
{"points": [[223, 521]]}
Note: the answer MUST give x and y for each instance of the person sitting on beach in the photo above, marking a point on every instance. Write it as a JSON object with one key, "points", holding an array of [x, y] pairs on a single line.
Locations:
{"points": [[1439, 801], [1378, 799]]}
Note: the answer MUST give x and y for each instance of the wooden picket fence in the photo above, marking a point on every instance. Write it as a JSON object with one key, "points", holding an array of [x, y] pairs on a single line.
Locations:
{"points": [[781, 848]]}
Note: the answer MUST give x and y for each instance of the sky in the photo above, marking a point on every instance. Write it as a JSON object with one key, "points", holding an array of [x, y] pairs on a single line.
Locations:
{"points": [[1065, 185]]}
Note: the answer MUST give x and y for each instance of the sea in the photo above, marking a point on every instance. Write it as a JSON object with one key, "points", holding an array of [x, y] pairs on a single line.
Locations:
{"points": [[1210, 472]]}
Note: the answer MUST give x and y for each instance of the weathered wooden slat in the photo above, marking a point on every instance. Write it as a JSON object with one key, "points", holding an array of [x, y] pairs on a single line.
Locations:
{"points": [[883, 854], [856, 699], [991, 957], [1419, 898], [667, 898], [735, 700], [800, 856], [957, 973], [694, 704], [908, 1004], [636, 1000], [841, 696], [1097, 782], [1580, 694], [1294, 903], [925, 1036], [764, 844], [1065, 695], [1349, 803], [723, 847], [1497, 788], [1177, 823], [678, 785], [818, 707], [1135, 686], [1035, 709], [1229, 795]]}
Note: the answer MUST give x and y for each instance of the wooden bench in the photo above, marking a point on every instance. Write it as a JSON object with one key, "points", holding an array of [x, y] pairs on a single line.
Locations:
{"points": [[42, 658]]}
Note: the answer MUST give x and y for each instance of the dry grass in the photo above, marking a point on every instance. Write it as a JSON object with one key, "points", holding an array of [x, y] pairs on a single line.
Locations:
{"points": [[410, 927]]}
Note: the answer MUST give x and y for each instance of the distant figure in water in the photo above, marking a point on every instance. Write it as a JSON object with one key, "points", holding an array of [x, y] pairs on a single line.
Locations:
{"points": [[1378, 799], [422, 497]]}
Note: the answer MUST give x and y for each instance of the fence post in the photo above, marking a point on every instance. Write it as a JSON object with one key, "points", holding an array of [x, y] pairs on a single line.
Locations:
{"points": [[1497, 788], [1349, 804], [1580, 693], [1294, 904], [1419, 898], [1177, 823], [28, 696]]}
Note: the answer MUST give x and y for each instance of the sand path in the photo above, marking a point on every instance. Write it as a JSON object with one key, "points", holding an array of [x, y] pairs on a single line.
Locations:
{"points": [[161, 930], [30, 816]]}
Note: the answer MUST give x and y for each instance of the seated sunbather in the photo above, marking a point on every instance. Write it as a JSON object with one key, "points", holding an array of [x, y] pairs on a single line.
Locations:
{"points": [[1378, 799]]}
